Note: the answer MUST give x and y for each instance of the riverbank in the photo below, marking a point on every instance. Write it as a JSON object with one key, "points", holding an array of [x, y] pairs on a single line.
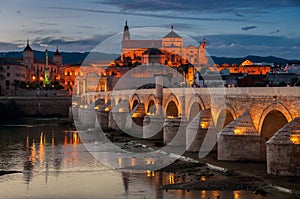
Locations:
{"points": [[192, 173]]}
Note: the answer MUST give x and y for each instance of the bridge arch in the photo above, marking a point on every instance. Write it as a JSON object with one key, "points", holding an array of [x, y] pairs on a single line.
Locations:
{"points": [[151, 105], [134, 101], [195, 105], [226, 114], [276, 110], [172, 106]]}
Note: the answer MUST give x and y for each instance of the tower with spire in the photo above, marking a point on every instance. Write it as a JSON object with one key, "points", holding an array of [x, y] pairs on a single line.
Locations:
{"points": [[126, 34], [57, 57], [28, 57]]}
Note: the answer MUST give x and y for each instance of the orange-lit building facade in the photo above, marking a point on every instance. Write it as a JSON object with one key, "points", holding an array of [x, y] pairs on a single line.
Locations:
{"points": [[171, 45], [246, 67]]}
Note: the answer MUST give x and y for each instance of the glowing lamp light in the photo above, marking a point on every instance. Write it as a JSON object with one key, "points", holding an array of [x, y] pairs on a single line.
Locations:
{"points": [[150, 173], [134, 115], [96, 107], [106, 109], [238, 132], [171, 116], [33, 78], [295, 138], [204, 125], [203, 178], [121, 110]]}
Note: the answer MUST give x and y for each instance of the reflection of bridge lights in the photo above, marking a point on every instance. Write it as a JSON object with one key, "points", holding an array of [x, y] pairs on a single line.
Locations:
{"points": [[295, 139], [236, 194]]}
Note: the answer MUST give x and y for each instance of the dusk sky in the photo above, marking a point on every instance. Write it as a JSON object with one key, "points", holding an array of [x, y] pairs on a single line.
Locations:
{"points": [[232, 28]]}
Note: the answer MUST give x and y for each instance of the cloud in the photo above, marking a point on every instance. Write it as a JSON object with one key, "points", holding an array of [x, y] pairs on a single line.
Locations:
{"points": [[248, 28], [239, 45], [197, 5], [5, 47], [239, 15], [160, 16], [273, 32], [69, 43], [44, 32]]}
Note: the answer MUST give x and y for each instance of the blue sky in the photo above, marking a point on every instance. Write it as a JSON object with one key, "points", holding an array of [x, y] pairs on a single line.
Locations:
{"points": [[232, 28]]}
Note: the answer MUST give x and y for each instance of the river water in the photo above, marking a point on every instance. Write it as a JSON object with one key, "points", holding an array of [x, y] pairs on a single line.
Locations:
{"points": [[53, 163]]}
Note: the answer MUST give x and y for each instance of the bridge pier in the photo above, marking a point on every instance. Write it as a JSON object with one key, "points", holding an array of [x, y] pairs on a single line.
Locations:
{"points": [[118, 116], [283, 150], [153, 127], [103, 116], [239, 140], [87, 116], [197, 130], [174, 131]]}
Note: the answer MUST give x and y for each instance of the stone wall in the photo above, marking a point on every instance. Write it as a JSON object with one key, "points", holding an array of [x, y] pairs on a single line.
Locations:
{"points": [[41, 106]]}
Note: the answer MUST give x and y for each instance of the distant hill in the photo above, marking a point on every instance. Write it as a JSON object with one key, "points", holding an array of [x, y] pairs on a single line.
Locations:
{"points": [[78, 58], [253, 58], [68, 57]]}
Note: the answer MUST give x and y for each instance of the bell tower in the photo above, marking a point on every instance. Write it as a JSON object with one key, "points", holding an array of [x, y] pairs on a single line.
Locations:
{"points": [[57, 57], [126, 34], [28, 58]]}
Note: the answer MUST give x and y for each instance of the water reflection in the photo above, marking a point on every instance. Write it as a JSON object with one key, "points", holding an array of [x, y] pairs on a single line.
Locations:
{"points": [[55, 164]]}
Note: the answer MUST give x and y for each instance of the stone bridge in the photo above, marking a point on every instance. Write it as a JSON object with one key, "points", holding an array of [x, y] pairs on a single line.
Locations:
{"points": [[254, 124]]}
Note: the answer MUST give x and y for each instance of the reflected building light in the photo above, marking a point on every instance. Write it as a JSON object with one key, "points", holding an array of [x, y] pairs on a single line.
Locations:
{"points": [[41, 149], [27, 142], [33, 153], [66, 139], [52, 139], [236, 195], [203, 178]]}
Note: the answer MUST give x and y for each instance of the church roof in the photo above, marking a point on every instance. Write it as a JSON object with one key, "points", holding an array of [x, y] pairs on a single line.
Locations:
{"points": [[172, 34], [153, 51], [27, 48], [141, 43], [57, 52]]}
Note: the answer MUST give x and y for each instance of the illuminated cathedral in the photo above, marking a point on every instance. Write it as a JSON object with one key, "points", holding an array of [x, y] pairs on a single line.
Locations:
{"points": [[170, 50]]}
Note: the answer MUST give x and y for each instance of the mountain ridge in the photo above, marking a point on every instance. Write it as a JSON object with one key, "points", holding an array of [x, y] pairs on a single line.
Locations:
{"points": [[79, 57]]}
